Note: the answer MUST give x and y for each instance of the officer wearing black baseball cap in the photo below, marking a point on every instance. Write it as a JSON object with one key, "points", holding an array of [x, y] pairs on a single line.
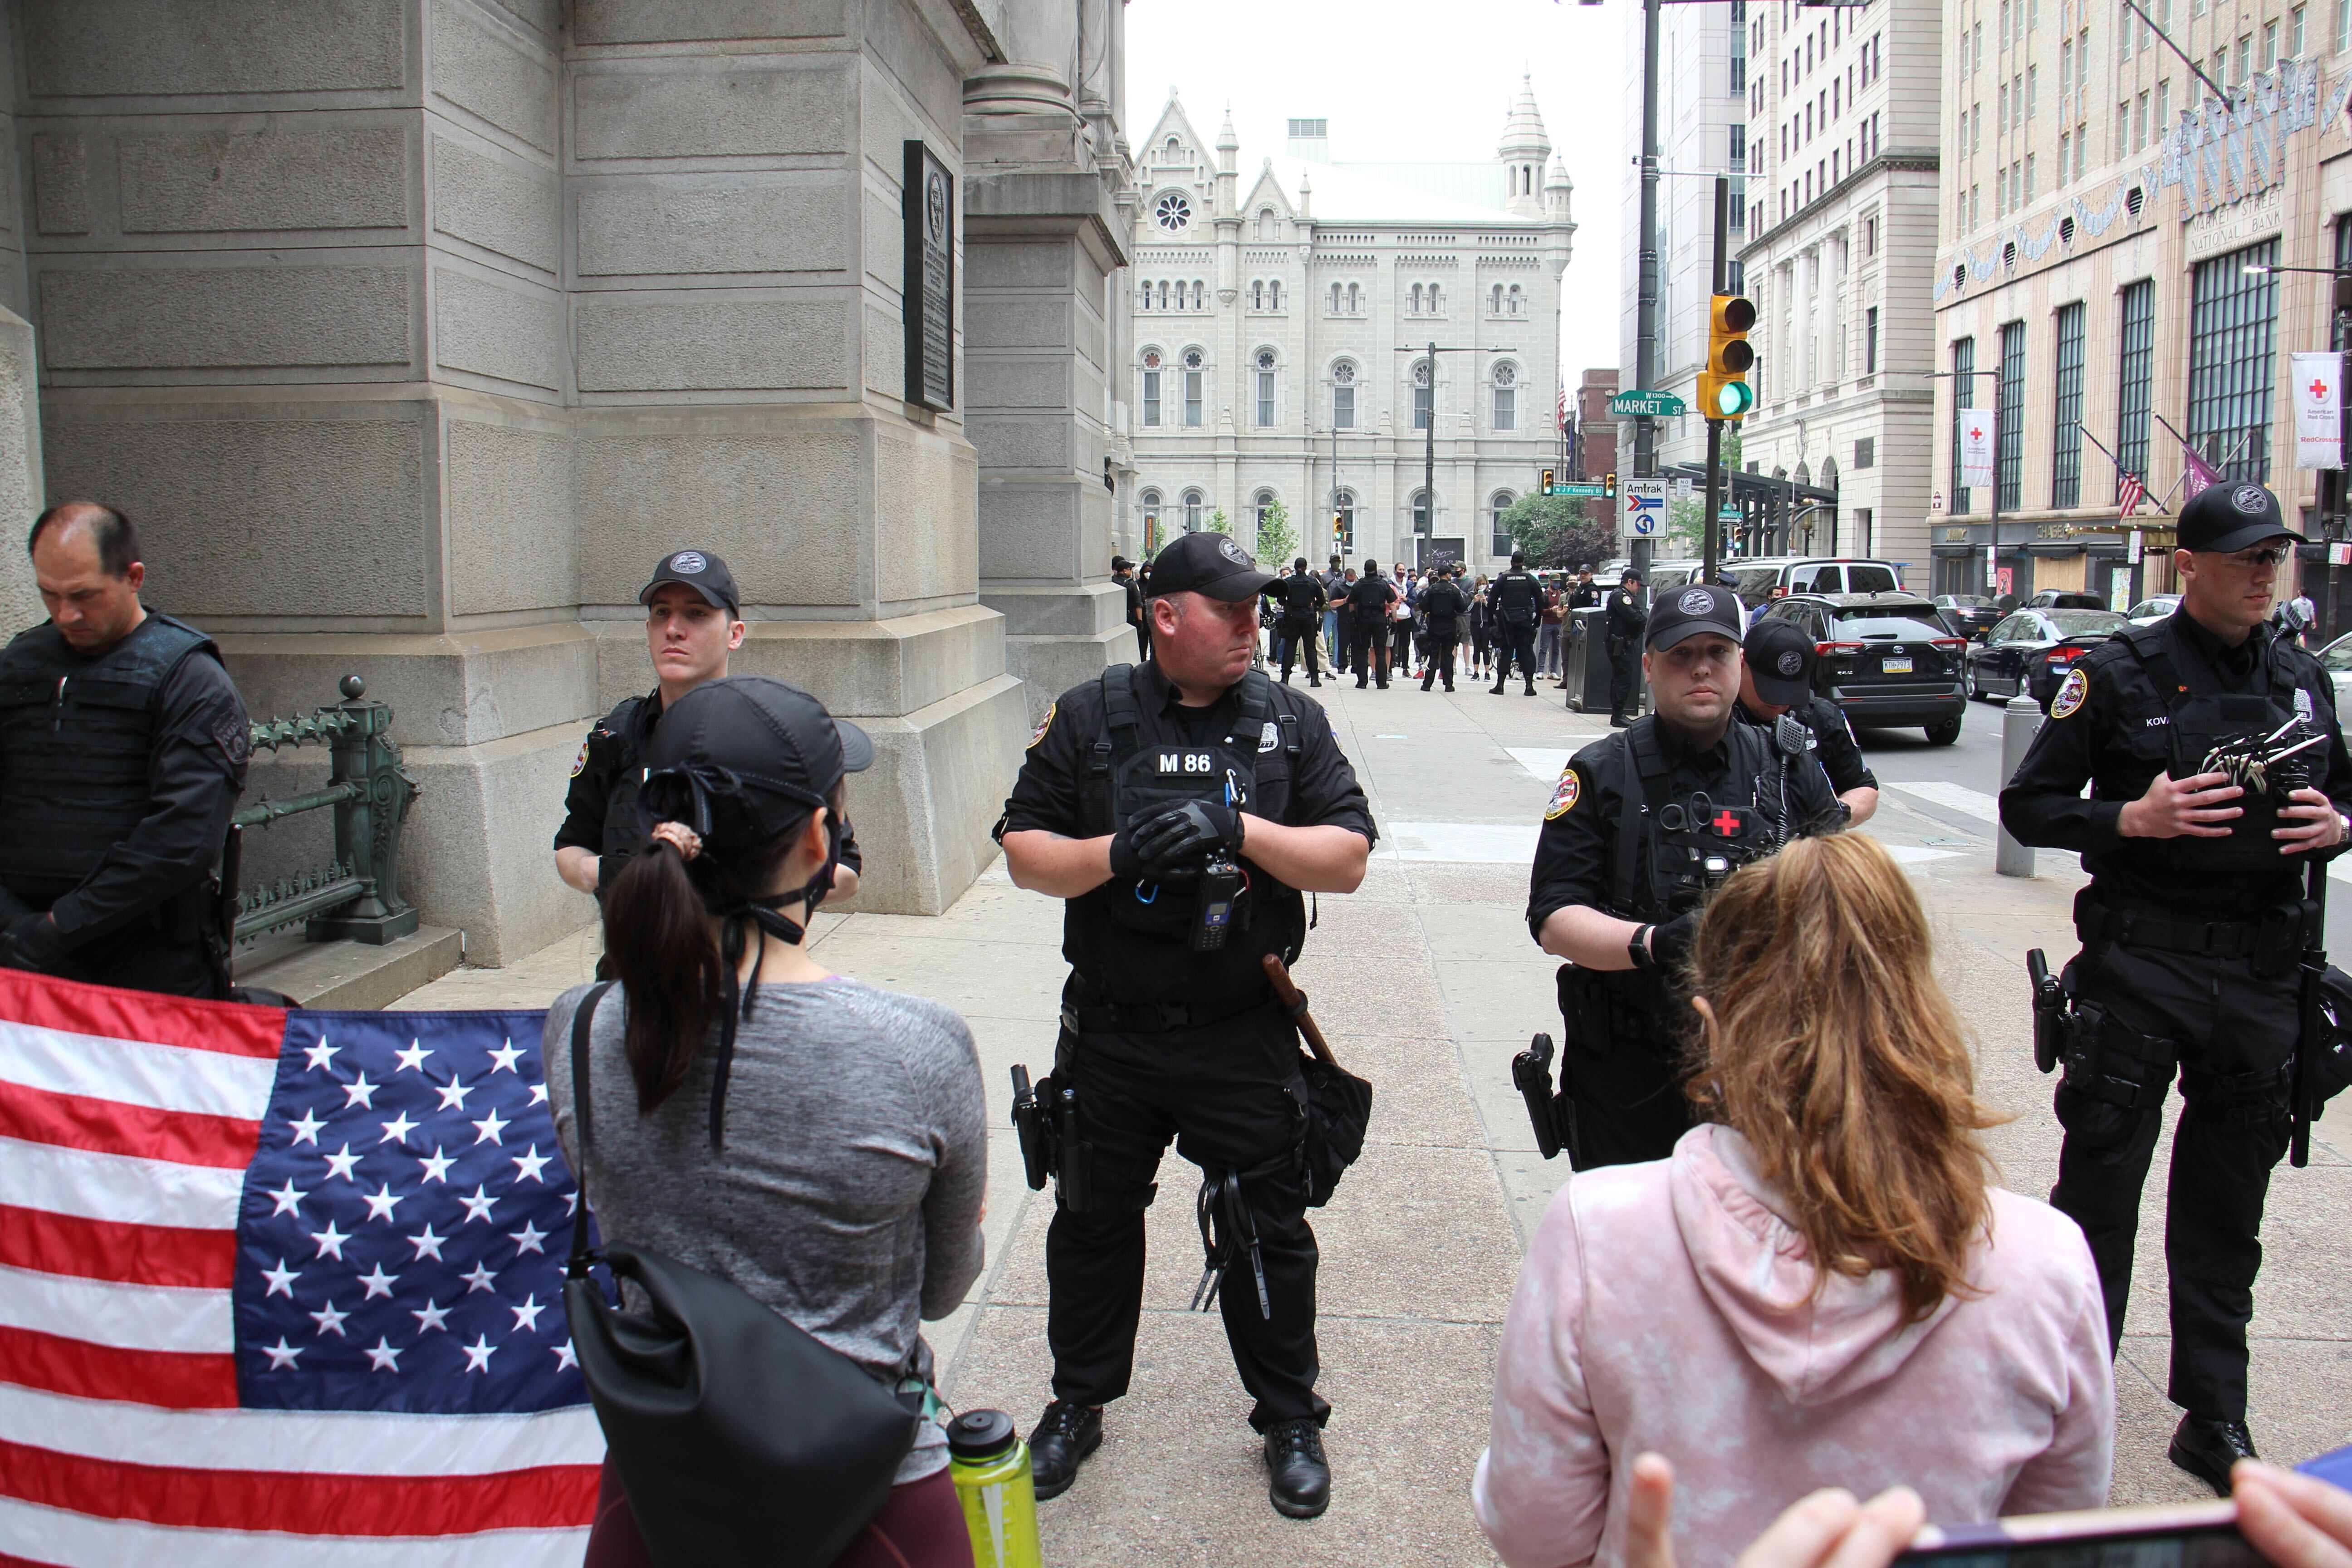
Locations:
{"points": [[1623, 621], [2218, 778], [1776, 676], [693, 620], [1701, 794], [1182, 809]]}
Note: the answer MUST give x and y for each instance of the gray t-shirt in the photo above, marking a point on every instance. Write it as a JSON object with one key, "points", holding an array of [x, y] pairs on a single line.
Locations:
{"points": [[848, 1197]]}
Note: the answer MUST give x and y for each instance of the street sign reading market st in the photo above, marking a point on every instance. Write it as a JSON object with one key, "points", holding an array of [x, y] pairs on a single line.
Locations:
{"points": [[1656, 404]]}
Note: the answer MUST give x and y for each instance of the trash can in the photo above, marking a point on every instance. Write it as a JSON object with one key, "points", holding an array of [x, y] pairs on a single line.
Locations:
{"points": [[1584, 663]]}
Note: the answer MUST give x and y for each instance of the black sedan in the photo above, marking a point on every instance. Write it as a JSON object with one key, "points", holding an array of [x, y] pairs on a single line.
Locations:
{"points": [[1885, 660], [2029, 653], [1971, 615]]}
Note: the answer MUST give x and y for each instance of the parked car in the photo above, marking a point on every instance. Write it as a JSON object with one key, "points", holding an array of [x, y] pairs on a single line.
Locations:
{"points": [[1661, 575], [2029, 652], [1886, 659], [1760, 579], [2336, 658], [1971, 615], [2147, 612], [2063, 599]]}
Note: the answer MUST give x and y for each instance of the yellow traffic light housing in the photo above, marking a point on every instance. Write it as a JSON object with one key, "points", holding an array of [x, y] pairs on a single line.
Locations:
{"points": [[1546, 481], [1609, 488], [1722, 389]]}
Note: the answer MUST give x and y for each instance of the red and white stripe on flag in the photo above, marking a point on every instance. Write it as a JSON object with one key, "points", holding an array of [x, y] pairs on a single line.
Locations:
{"points": [[127, 1121], [2131, 493]]}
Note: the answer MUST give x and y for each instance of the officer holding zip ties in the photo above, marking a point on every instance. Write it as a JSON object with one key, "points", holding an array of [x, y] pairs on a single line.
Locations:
{"points": [[1644, 825], [2218, 778], [1182, 809]]}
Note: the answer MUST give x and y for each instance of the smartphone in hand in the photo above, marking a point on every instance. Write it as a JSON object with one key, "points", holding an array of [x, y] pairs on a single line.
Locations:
{"points": [[2172, 1535]]}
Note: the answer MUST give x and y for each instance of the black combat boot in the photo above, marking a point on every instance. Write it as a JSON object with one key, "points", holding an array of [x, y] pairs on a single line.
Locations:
{"points": [[1298, 1478], [2206, 1446], [1062, 1438]]}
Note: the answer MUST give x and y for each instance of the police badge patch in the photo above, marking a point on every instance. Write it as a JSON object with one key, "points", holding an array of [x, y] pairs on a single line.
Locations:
{"points": [[2070, 696], [1270, 737], [1563, 794], [1043, 724], [580, 762]]}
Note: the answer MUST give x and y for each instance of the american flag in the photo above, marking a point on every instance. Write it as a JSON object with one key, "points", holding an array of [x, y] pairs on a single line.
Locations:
{"points": [[282, 1287], [2128, 494], [1563, 406]]}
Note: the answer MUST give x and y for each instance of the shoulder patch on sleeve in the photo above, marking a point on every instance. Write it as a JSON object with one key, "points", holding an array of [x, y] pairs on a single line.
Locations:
{"points": [[580, 762], [1044, 724], [1564, 794], [2072, 694]]}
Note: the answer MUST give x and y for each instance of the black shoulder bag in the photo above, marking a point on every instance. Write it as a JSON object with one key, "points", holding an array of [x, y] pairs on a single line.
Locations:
{"points": [[739, 1437]]}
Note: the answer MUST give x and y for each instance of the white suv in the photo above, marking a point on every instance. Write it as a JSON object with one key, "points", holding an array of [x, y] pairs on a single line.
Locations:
{"points": [[1763, 579]]}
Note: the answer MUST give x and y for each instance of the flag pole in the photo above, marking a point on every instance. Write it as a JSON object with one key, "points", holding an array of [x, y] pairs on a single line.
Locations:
{"points": [[2111, 457]]}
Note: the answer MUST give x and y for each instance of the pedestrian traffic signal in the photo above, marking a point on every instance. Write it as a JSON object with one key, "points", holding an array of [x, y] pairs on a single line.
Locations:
{"points": [[1722, 389], [1546, 481]]}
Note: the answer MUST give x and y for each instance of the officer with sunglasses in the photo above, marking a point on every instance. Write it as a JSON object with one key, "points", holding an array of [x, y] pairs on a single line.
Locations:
{"points": [[2217, 771]]}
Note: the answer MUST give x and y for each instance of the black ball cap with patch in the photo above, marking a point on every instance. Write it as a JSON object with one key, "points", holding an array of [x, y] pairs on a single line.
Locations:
{"points": [[2229, 516], [700, 571], [1781, 657], [1208, 563], [764, 732], [1682, 613]]}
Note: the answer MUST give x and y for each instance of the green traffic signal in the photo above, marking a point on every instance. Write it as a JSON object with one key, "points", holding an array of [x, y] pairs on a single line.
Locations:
{"points": [[1734, 399]]}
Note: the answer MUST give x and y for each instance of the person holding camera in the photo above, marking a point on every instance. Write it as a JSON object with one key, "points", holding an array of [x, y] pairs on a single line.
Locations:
{"points": [[1182, 809], [1644, 825]]}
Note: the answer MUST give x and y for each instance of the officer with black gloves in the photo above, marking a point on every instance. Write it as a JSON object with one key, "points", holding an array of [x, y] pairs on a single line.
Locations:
{"points": [[1366, 618], [1622, 625], [2216, 771], [123, 745], [1517, 599], [1149, 797], [1442, 605], [1776, 676], [1642, 827], [1299, 600]]}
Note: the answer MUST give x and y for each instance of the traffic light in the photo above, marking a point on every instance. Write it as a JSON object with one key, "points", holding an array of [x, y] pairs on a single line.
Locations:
{"points": [[1609, 488], [1722, 389], [1546, 481]]}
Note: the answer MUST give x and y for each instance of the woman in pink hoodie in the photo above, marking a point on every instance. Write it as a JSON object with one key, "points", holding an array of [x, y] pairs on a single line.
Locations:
{"points": [[1821, 1287]]}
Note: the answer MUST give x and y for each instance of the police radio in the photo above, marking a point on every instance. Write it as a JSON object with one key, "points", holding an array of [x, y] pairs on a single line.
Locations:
{"points": [[1213, 902]]}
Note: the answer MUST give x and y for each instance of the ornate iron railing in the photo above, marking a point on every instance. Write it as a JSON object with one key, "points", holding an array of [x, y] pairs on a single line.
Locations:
{"points": [[354, 896]]}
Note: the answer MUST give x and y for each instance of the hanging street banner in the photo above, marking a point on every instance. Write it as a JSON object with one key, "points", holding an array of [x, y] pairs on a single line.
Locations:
{"points": [[1643, 515], [1976, 446], [2318, 411]]}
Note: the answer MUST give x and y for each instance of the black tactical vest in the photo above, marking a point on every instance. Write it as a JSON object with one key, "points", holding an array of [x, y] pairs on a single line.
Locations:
{"points": [[76, 737], [1127, 937], [1672, 851]]}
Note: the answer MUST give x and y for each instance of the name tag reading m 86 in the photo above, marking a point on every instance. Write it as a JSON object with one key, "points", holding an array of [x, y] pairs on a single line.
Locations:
{"points": [[1196, 764]]}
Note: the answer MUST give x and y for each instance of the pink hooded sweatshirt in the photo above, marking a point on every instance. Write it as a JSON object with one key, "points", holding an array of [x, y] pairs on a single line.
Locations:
{"points": [[1664, 1306]]}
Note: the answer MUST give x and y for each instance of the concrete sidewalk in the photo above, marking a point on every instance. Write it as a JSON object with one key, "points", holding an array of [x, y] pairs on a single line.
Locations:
{"points": [[1426, 982]]}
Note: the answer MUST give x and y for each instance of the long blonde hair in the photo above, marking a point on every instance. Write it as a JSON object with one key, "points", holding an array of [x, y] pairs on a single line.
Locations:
{"points": [[1839, 1057]]}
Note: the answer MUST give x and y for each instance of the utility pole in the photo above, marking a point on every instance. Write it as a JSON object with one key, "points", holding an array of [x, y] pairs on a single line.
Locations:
{"points": [[1646, 299], [1429, 448], [1711, 531]]}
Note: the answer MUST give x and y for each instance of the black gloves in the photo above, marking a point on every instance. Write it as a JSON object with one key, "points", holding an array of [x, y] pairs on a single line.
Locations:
{"points": [[1181, 836], [1124, 862], [1670, 943], [31, 942]]}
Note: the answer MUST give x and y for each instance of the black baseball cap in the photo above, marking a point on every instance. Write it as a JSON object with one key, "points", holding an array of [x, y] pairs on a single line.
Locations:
{"points": [[745, 755], [1121, 564], [1631, 574], [701, 570], [1682, 613], [2225, 518], [1781, 657], [1208, 563]]}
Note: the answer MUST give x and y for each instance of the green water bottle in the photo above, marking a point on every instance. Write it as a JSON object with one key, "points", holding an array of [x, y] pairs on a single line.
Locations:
{"points": [[990, 1466]]}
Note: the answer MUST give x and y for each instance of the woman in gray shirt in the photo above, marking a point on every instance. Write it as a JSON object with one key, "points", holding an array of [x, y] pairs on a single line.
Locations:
{"points": [[816, 1142]]}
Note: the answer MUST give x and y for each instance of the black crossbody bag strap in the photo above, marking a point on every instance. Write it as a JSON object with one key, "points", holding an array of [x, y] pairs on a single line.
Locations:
{"points": [[583, 1022]]}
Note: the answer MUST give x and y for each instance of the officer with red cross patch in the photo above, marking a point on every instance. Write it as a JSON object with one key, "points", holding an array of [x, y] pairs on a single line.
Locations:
{"points": [[1644, 825]]}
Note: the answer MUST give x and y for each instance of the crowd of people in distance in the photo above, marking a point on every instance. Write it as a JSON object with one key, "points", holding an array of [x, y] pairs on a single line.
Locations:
{"points": [[1375, 623]]}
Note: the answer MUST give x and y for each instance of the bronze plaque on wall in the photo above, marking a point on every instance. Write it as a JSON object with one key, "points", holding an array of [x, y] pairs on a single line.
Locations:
{"points": [[928, 302]]}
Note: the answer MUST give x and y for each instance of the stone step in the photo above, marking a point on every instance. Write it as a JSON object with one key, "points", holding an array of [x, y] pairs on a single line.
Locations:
{"points": [[351, 974]]}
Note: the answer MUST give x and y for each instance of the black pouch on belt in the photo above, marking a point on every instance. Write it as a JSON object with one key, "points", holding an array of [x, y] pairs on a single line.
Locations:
{"points": [[2278, 941]]}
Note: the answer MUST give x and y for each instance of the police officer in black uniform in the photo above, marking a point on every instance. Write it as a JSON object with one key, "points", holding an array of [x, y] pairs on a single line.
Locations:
{"points": [[1622, 628], [693, 620], [123, 744], [1365, 619], [1642, 827], [1776, 676], [1517, 601], [1122, 572], [1300, 621], [2190, 926], [1585, 595], [1142, 787], [1442, 605]]}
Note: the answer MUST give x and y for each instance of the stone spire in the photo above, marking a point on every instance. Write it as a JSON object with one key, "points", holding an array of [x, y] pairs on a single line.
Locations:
{"points": [[1305, 196], [1557, 189], [1523, 150]]}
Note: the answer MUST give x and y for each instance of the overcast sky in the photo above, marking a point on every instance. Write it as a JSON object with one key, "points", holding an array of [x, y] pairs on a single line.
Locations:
{"points": [[1425, 81]]}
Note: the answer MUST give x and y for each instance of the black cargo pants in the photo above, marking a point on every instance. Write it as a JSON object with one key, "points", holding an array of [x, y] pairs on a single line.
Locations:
{"points": [[1294, 636], [1232, 1096], [1619, 1076], [1514, 639], [1624, 674], [2235, 1034]]}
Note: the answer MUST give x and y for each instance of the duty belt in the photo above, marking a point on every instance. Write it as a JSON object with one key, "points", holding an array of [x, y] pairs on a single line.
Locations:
{"points": [[2224, 938], [1155, 1017]]}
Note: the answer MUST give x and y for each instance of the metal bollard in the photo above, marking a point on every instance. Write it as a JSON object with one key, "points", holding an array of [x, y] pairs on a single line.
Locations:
{"points": [[2021, 721]]}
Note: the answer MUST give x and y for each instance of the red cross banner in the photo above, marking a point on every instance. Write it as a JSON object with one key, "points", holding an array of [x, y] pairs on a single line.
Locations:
{"points": [[2318, 411], [1976, 446]]}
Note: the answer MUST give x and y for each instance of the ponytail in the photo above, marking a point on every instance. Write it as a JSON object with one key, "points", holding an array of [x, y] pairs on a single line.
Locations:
{"points": [[657, 937]]}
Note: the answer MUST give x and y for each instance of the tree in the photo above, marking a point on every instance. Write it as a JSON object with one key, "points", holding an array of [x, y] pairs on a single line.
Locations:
{"points": [[1554, 531], [1277, 541], [1219, 522]]}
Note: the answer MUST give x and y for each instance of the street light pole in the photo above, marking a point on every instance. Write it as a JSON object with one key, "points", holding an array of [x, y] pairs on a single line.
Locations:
{"points": [[1429, 448], [1645, 301]]}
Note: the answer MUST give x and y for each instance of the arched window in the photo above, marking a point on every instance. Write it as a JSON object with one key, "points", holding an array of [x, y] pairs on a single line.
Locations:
{"points": [[1507, 396], [1424, 395], [1266, 223], [1499, 538], [1432, 298], [1495, 301], [1193, 500], [1146, 297], [1257, 295], [1163, 296], [1151, 504], [1343, 396], [1273, 295], [1175, 148], [1829, 474], [1196, 294], [1264, 388], [1335, 299], [1517, 300], [1804, 474], [1152, 386], [1193, 389], [1354, 303], [1343, 517], [1416, 299], [1421, 519], [1260, 504]]}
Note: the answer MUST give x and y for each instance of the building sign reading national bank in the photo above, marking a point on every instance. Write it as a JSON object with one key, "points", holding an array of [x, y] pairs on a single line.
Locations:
{"points": [[928, 297]]}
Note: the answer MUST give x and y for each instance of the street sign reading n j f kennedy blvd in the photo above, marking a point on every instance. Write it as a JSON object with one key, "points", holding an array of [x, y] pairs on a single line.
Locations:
{"points": [[1634, 405], [1643, 515]]}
